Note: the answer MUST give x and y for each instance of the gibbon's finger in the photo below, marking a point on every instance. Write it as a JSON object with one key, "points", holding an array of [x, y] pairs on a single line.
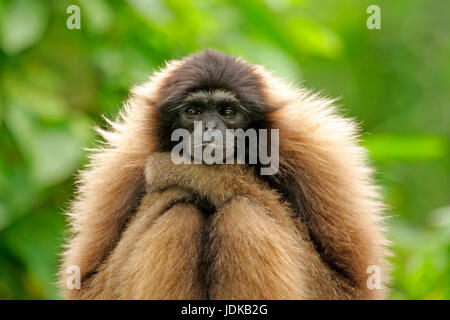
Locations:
{"points": [[252, 255]]}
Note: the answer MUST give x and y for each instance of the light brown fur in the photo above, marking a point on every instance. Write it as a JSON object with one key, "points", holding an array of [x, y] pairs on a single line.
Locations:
{"points": [[253, 247]]}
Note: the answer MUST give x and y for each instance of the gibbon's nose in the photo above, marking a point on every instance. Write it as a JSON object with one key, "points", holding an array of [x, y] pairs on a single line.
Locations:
{"points": [[215, 124], [211, 124]]}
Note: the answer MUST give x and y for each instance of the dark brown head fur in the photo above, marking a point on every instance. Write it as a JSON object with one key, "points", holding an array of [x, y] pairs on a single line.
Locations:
{"points": [[210, 70]]}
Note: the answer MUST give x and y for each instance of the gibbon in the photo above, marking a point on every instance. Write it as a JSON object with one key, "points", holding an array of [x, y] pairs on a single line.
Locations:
{"points": [[144, 227]]}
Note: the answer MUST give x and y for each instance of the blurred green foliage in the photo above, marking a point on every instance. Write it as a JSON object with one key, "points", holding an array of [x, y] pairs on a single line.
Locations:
{"points": [[56, 83]]}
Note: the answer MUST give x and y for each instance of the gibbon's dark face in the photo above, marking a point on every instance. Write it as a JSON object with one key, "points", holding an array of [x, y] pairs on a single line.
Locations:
{"points": [[219, 90], [216, 109]]}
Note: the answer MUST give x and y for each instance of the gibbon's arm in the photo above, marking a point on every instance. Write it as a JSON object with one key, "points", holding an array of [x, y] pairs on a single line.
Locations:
{"points": [[249, 248], [155, 255], [252, 247], [356, 244], [325, 177], [110, 189]]}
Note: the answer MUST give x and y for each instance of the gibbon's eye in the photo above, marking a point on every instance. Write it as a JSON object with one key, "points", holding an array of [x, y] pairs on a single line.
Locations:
{"points": [[228, 112], [192, 112]]}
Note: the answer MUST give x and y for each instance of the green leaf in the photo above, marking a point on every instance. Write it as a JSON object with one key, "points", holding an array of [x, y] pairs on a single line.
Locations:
{"points": [[53, 153], [98, 13], [267, 55], [4, 216], [56, 155], [34, 239], [400, 147], [314, 39], [23, 24]]}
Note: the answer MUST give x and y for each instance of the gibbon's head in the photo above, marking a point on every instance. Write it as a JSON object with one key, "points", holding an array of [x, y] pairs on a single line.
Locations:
{"points": [[221, 91]]}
